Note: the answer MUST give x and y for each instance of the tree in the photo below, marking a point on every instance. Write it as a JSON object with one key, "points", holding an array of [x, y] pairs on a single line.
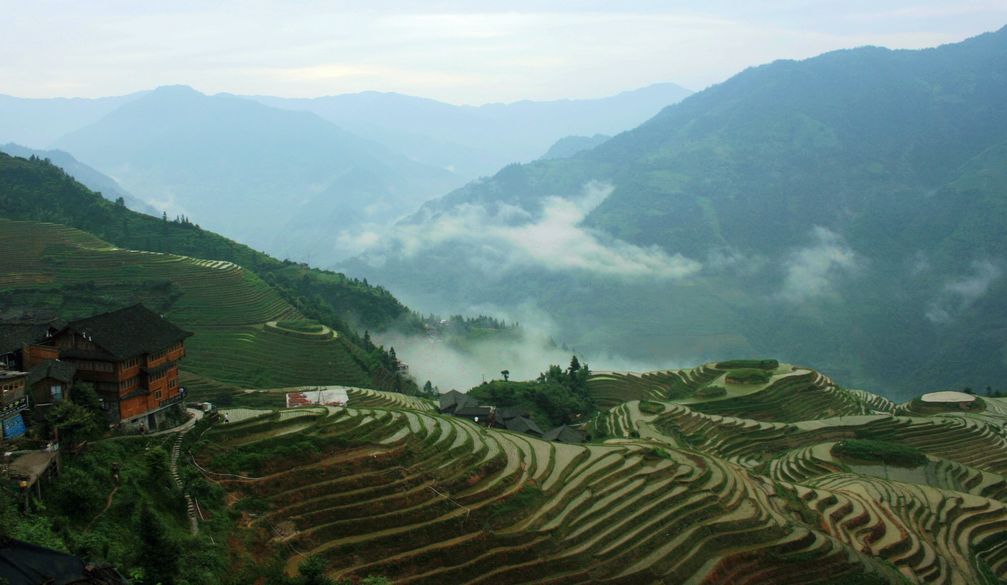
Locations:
{"points": [[158, 463], [119, 201], [72, 423], [158, 553], [312, 571], [505, 374], [428, 388]]}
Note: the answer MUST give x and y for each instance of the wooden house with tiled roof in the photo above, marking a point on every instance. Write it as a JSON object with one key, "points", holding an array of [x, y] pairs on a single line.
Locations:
{"points": [[131, 356]]}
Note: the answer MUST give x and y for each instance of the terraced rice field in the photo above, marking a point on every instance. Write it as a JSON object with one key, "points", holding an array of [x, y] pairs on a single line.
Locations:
{"points": [[682, 492], [227, 307]]}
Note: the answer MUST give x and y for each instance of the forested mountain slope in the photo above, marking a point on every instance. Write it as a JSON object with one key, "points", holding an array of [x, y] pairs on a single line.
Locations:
{"points": [[91, 178], [845, 210]]}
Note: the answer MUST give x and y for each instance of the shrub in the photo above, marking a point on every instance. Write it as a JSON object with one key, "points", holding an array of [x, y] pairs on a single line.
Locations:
{"points": [[711, 392], [78, 494], [648, 407], [758, 364], [880, 451], [748, 376], [300, 326]]}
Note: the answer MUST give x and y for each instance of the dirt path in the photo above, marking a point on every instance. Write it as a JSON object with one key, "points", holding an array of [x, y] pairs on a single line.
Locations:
{"points": [[108, 504]]}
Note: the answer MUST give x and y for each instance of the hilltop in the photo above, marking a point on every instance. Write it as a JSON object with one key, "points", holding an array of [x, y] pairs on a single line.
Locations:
{"points": [[843, 210]]}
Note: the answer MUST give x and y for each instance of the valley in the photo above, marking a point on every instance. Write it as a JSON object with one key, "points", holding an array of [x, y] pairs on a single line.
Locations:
{"points": [[294, 324]]}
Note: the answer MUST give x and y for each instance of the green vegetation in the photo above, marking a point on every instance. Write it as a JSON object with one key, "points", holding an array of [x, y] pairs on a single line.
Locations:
{"points": [[748, 376], [88, 513], [879, 451], [557, 397], [760, 364], [711, 391], [300, 326], [648, 407], [686, 502]]}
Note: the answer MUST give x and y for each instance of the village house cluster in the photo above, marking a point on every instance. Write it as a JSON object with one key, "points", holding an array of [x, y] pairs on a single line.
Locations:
{"points": [[512, 418]]}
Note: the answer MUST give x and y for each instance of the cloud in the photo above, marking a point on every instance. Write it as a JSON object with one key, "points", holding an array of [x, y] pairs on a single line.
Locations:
{"points": [[499, 237], [525, 354], [812, 271], [960, 294]]}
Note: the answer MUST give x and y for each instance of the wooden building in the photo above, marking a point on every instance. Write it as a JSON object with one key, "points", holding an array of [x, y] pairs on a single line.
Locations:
{"points": [[17, 336], [131, 356], [49, 383]]}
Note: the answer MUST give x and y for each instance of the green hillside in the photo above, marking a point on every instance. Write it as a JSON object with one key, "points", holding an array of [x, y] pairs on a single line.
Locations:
{"points": [[34, 190], [845, 210], [230, 309]]}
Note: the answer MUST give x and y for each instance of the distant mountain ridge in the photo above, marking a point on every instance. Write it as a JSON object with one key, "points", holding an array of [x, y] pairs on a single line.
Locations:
{"points": [[283, 181], [37, 123], [314, 180], [474, 141], [571, 145], [844, 210]]}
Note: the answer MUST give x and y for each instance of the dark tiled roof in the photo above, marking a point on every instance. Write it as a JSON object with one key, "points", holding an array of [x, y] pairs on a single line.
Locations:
{"points": [[54, 369], [564, 434], [525, 425], [454, 400], [22, 563], [506, 413], [474, 410], [13, 335], [129, 332]]}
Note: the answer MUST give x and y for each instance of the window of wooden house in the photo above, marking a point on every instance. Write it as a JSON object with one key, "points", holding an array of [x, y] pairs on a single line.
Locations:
{"points": [[56, 392]]}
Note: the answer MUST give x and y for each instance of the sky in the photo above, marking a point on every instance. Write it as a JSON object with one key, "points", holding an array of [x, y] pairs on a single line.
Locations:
{"points": [[471, 52]]}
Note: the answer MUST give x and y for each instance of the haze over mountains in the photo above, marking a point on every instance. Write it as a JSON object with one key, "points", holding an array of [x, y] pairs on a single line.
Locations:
{"points": [[311, 185], [845, 210], [473, 141]]}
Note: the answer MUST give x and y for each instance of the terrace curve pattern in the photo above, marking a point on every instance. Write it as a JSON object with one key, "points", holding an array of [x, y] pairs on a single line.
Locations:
{"points": [[233, 313], [690, 479]]}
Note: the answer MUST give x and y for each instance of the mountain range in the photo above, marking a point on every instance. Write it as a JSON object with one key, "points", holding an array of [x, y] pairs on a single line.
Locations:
{"points": [[845, 210], [313, 179], [473, 141]]}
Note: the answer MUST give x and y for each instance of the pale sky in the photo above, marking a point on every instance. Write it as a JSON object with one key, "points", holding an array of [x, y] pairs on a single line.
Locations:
{"points": [[460, 52]]}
